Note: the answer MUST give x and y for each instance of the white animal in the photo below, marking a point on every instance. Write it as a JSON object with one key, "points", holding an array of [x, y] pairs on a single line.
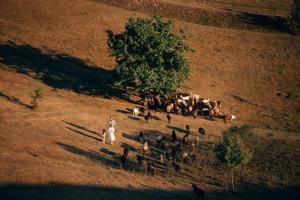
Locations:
{"points": [[186, 98], [232, 117], [135, 112]]}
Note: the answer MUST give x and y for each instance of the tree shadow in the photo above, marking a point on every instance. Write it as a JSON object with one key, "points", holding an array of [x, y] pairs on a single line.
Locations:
{"points": [[80, 127], [81, 133], [90, 154], [176, 128], [60, 71], [107, 151], [15, 100]]}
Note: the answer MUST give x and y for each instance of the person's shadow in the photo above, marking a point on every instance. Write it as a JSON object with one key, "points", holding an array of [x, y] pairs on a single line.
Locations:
{"points": [[60, 71]]}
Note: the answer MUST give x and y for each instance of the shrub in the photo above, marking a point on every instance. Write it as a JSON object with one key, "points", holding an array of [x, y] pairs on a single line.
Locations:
{"points": [[149, 56], [36, 95]]}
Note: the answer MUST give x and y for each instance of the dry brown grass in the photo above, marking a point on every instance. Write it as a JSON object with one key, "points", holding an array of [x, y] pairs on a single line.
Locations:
{"points": [[60, 47]]}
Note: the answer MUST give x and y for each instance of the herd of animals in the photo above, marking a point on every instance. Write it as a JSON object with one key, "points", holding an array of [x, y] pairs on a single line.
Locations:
{"points": [[170, 153], [181, 104]]}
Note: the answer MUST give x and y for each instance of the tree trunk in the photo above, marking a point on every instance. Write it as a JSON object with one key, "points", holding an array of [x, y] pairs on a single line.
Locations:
{"points": [[232, 180]]}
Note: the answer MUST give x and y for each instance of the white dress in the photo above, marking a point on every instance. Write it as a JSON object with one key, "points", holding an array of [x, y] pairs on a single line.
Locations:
{"points": [[111, 134]]}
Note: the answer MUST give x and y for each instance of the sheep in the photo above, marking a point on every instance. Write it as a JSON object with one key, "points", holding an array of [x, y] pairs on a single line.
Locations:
{"points": [[169, 118], [186, 98], [135, 113], [169, 107], [174, 137], [178, 110], [232, 117], [198, 192]]}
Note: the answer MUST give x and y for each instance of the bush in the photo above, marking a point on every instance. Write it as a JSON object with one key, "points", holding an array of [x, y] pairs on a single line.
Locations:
{"points": [[36, 95], [149, 56]]}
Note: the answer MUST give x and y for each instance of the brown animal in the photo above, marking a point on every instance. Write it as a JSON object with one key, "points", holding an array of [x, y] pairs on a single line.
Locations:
{"points": [[145, 147], [169, 107], [185, 139], [178, 110], [169, 118], [198, 192]]}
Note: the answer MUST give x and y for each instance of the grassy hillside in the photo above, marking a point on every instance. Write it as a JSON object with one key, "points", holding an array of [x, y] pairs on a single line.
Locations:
{"points": [[60, 47]]}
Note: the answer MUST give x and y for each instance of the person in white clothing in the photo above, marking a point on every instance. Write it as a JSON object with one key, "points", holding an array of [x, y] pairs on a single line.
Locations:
{"points": [[111, 129]]}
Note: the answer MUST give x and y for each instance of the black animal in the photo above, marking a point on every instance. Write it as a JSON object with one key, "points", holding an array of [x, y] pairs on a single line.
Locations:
{"points": [[174, 137], [169, 118], [177, 167], [201, 131], [140, 160], [124, 158], [141, 137], [198, 192], [187, 129], [151, 168], [148, 116]]}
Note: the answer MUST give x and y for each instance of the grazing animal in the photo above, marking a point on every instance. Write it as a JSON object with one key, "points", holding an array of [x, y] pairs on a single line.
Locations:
{"points": [[135, 113], [195, 113], [169, 107], [141, 137], [124, 159], [187, 129], [169, 118], [185, 139], [178, 110], [151, 168], [198, 192], [197, 141], [177, 167], [125, 151], [185, 157], [140, 160], [174, 137], [142, 110], [103, 135], [148, 116], [161, 158], [232, 117], [201, 131], [145, 147]]}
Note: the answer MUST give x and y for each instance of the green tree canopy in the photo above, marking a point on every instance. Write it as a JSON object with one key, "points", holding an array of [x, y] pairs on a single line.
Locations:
{"points": [[149, 55]]}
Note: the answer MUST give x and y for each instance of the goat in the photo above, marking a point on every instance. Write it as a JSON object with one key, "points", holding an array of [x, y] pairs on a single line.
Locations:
{"points": [[148, 116], [150, 168], [201, 131], [140, 160], [161, 158], [145, 147], [198, 192], [174, 137], [141, 137], [135, 112], [142, 110], [185, 139], [169, 118], [177, 167]]}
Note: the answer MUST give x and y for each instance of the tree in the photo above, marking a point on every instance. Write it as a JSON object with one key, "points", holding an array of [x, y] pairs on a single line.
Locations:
{"points": [[149, 56], [231, 152]]}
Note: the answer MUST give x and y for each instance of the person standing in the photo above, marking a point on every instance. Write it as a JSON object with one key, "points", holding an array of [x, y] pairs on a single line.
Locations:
{"points": [[111, 129]]}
